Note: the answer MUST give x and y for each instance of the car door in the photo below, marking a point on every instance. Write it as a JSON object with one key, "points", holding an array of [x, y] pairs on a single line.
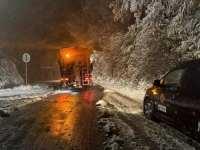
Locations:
{"points": [[188, 106], [169, 93]]}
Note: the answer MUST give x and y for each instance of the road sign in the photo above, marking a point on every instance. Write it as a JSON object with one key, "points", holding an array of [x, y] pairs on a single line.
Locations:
{"points": [[26, 57]]}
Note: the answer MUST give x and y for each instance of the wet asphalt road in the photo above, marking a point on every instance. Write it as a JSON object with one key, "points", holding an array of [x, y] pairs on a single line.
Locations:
{"points": [[65, 121]]}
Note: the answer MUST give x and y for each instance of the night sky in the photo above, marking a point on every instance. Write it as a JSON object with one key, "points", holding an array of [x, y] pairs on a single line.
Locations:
{"points": [[35, 22]]}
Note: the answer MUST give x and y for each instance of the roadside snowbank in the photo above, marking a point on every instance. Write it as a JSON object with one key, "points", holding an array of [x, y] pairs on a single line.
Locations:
{"points": [[12, 99], [136, 94], [23, 92]]}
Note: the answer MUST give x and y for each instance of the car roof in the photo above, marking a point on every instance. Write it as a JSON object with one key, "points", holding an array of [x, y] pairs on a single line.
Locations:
{"points": [[194, 62]]}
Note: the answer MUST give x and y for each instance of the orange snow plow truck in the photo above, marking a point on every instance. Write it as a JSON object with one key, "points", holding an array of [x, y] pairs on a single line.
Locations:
{"points": [[75, 67]]}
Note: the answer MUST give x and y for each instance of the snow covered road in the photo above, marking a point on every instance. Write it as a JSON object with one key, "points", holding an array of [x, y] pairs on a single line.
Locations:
{"points": [[60, 121], [120, 120]]}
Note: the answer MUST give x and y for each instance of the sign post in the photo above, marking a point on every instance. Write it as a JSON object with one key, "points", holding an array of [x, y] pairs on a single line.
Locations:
{"points": [[26, 58]]}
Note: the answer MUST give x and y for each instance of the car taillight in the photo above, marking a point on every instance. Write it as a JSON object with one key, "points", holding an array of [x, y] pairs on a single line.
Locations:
{"points": [[90, 77], [66, 79], [61, 79]]}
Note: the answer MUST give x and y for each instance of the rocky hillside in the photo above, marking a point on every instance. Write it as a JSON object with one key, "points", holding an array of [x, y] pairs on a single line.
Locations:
{"points": [[9, 76]]}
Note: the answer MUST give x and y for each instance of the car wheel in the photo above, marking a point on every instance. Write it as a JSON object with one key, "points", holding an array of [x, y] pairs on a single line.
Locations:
{"points": [[149, 109]]}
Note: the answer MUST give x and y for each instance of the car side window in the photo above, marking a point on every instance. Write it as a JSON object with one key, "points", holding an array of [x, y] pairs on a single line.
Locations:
{"points": [[192, 84], [171, 80]]}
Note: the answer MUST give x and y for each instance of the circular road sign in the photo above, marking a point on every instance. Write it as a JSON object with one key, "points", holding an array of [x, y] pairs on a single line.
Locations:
{"points": [[26, 57]]}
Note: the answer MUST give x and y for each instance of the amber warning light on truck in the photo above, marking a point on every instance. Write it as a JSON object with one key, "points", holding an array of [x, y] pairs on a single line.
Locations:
{"points": [[64, 79]]}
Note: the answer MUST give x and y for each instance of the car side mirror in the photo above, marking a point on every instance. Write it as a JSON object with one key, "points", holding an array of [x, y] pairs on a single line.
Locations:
{"points": [[157, 83]]}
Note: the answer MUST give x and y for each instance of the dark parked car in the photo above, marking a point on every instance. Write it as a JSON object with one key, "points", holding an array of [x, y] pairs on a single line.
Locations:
{"points": [[175, 98]]}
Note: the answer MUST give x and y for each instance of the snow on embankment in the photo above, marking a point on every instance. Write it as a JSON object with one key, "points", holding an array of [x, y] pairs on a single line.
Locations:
{"points": [[9, 74]]}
